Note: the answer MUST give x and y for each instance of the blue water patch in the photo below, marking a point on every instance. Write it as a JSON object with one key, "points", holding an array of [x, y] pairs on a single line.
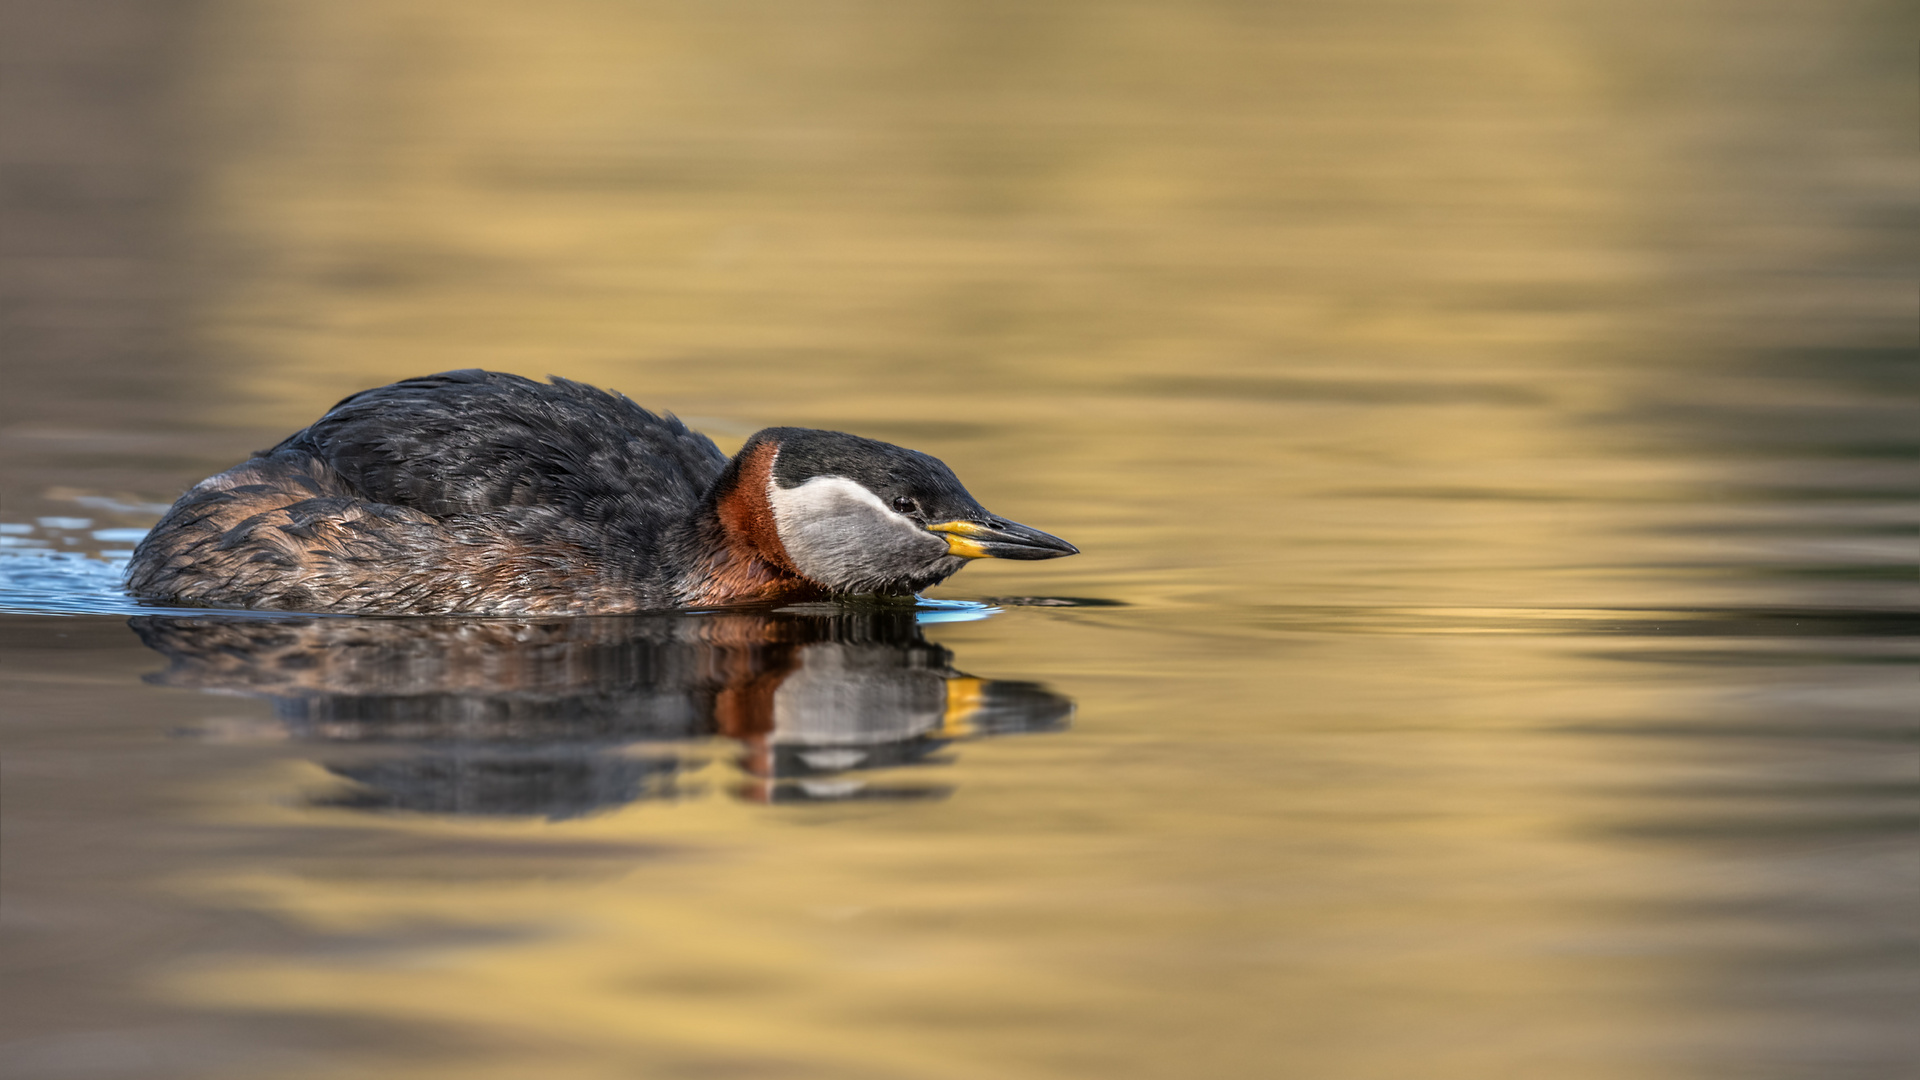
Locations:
{"points": [[926, 611], [42, 581], [55, 565]]}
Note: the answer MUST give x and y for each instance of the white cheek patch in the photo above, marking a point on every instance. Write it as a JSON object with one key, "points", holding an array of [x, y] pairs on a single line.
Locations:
{"points": [[841, 535]]}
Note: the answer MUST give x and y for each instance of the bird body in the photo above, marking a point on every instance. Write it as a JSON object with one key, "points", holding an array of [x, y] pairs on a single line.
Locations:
{"points": [[475, 492]]}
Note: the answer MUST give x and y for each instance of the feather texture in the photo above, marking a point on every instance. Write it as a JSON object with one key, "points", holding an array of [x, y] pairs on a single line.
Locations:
{"points": [[475, 492]]}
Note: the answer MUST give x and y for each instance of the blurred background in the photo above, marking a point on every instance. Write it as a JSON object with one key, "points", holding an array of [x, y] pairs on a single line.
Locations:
{"points": [[1490, 425]]}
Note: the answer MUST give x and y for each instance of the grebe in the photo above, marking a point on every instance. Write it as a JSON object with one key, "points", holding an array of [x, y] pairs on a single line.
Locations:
{"points": [[477, 492]]}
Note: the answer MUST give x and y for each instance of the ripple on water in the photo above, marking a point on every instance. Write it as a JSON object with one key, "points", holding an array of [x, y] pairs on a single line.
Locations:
{"points": [[41, 581], [64, 566]]}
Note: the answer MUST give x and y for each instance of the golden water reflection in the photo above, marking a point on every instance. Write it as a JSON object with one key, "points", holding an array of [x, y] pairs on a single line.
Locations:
{"points": [[1572, 840], [1494, 418]]}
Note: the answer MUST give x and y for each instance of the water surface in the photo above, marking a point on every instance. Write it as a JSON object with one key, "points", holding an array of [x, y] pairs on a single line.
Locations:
{"points": [[1490, 431]]}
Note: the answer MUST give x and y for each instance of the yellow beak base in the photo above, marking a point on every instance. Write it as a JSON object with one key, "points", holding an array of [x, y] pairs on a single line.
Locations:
{"points": [[957, 542]]}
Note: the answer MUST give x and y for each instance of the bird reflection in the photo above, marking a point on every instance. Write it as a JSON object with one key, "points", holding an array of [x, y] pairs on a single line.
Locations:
{"points": [[565, 717]]}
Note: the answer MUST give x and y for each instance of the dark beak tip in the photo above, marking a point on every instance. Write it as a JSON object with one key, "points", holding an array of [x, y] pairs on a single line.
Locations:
{"points": [[1034, 545]]}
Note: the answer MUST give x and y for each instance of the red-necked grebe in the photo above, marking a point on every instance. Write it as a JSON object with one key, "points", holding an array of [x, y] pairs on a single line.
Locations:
{"points": [[484, 493]]}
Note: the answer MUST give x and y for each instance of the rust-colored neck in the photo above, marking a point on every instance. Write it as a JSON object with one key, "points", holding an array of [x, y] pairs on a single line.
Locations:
{"points": [[752, 564], [746, 516]]}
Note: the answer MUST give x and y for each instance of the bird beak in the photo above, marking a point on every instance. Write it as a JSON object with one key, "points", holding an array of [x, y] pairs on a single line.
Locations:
{"points": [[1000, 540]]}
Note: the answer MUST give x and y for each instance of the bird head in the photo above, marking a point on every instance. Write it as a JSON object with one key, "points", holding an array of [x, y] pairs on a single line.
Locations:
{"points": [[858, 516]]}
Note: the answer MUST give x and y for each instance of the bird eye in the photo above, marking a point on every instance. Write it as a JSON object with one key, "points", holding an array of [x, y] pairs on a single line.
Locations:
{"points": [[904, 505]]}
